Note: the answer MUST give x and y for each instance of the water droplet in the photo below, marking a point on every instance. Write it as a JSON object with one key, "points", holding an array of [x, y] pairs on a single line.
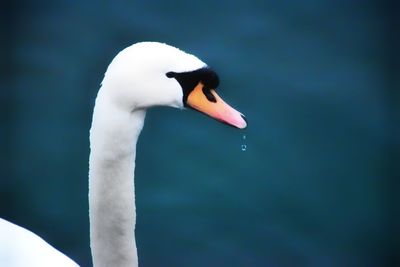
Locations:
{"points": [[244, 146]]}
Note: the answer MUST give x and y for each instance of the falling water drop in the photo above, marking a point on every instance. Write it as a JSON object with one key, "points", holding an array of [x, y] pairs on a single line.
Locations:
{"points": [[244, 146]]}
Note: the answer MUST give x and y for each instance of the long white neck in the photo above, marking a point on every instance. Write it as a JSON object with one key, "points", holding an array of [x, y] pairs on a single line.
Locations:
{"points": [[112, 209]]}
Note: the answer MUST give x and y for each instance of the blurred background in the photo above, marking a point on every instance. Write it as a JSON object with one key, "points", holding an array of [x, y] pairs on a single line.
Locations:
{"points": [[317, 185]]}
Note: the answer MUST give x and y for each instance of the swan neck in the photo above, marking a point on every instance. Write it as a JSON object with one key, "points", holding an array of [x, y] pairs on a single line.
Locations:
{"points": [[112, 211]]}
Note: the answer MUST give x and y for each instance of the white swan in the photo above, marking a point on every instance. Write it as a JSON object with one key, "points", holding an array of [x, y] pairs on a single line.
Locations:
{"points": [[141, 76]]}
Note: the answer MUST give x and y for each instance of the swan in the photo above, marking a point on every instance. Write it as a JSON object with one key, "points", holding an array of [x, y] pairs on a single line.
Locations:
{"points": [[141, 76]]}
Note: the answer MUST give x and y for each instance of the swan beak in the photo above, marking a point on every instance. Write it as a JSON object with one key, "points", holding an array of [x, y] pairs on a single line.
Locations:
{"points": [[212, 105]]}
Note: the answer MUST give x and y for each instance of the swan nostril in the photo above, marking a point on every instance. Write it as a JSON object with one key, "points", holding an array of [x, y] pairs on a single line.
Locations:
{"points": [[209, 95]]}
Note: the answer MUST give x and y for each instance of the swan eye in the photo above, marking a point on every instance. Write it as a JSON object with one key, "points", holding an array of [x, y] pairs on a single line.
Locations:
{"points": [[207, 92], [171, 74]]}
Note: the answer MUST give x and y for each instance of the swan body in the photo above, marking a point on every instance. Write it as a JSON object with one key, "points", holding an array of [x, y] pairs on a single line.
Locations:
{"points": [[141, 76], [20, 247]]}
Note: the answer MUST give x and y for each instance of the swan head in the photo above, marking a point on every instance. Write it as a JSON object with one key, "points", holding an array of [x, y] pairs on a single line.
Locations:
{"points": [[150, 74]]}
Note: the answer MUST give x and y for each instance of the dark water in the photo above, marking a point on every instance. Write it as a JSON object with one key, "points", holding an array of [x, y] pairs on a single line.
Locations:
{"points": [[315, 79]]}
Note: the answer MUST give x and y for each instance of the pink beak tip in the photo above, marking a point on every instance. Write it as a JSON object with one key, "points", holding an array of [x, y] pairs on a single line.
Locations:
{"points": [[242, 123]]}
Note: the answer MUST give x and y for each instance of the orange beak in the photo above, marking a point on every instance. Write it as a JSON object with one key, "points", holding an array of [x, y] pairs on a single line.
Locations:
{"points": [[218, 110]]}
